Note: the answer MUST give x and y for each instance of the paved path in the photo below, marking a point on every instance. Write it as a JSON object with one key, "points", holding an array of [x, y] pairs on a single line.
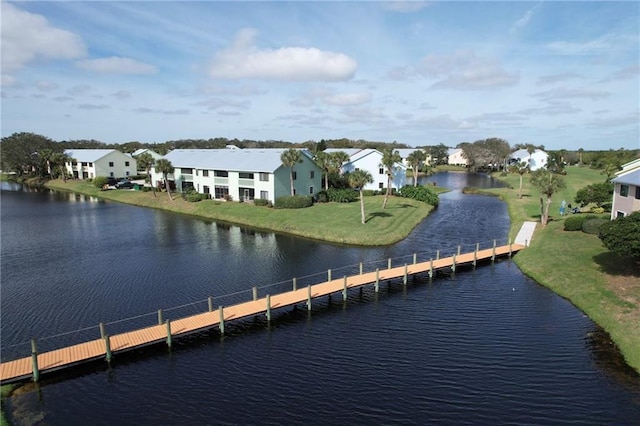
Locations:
{"points": [[526, 233]]}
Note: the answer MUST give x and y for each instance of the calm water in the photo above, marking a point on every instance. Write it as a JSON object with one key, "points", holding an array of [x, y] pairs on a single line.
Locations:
{"points": [[482, 346]]}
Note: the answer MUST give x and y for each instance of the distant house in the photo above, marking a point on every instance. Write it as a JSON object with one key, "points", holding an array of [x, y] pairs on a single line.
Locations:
{"points": [[405, 152], [456, 157], [626, 192], [89, 163], [370, 160], [151, 152], [536, 160], [241, 174]]}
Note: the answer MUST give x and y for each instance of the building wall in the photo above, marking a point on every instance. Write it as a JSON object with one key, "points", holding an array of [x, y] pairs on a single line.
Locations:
{"points": [[457, 159], [101, 167], [624, 206], [371, 163]]}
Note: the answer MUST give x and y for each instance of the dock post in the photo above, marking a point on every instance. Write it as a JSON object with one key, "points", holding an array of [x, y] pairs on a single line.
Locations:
{"points": [[255, 293], [295, 283], [269, 307], [160, 322], [169, 338], [406, 273], [458, 250], [221, 312], [526, 243], [493, 255], [377, 284], [107, 347], [329, 275], [475, 255], [389, 264], [309, 297], [210, 300], [431, 268], [34, 360], [437, 254], [360, 268], [453, 266], [510, 247], [415, 258], [344, 289], [101, 330]]}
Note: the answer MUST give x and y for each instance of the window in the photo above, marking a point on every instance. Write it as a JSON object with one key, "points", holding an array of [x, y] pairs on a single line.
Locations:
{"points": [[90, 164], [245, 175], [312, 174], [380, 185], [221, 173], [624, 190], [186, 171], [295, 175], [205, 189], [196, 172], [264, 195], [111, 174], [311, 190], [110, 163], [637, 192], [264, 177], [126, 163], [127, 173], [294, 191], [381, 170], [84, 164], [221, 191], [205, 173]]}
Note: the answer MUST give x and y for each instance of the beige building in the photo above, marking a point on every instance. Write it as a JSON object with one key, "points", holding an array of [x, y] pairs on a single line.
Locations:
{"points": [[626, 192]]}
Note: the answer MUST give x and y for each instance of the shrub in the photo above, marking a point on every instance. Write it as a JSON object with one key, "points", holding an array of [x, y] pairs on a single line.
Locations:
{"points": [[369, 192], [574, 223], [622, 235], [420, 193], [293, 202], [597, 210], [228, 197], [100, 181], [341, 195], [262, 202], [321, 197], [592, 226]]}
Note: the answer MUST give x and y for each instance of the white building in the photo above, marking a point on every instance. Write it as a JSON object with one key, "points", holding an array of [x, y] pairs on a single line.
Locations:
{"points": [[90, 163], [151, 152], [240, 174], [626, 192], [370, 160], [536, 160], [405, 152], [456, 158]]}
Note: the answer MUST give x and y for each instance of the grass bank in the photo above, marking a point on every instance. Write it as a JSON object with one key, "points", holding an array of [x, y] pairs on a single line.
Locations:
{"points": [[331, 222], [575, 265]]}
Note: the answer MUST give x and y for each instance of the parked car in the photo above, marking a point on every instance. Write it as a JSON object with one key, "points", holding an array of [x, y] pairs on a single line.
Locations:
{"points": [[111, 181], [124, 184]]}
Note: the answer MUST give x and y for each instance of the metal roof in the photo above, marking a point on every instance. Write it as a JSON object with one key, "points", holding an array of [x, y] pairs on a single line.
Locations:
{"points": [[629, 178], [349, 151], [250, 160], [88, 155]]}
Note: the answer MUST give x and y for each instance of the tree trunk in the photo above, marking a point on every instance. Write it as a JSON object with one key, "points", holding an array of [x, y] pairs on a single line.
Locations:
{"points": [[362, 207], [415, 176], [386, 195], [166, 184], [291, 181], [520, 189], [326, 180]]}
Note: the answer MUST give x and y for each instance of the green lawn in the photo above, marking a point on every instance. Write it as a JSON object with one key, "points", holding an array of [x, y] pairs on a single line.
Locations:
{"points": [[575, 265], [332, 222]]}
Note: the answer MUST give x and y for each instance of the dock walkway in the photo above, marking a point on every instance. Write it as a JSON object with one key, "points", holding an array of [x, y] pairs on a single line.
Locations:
{"points": [[107, 346]]}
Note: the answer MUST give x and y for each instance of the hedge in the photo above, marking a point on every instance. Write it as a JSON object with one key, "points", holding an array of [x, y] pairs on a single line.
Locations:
{"points": [[592, 226], [420, 193], [341, 195], [293, 202]]}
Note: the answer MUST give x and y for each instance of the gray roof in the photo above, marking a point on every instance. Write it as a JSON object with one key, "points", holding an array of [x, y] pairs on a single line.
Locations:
{"points": [[250, 160], [88, 155], [349, 151], [629, 178]]}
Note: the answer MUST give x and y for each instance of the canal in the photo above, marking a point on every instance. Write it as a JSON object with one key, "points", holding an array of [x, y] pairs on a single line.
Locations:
{"points": [[485, 345]]}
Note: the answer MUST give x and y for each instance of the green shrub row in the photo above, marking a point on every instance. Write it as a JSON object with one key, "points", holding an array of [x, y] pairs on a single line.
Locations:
{"points": [[420, 193], [592, 226], [341, 195], [589, 223], [293, 202], [262, 202], [193, 196]]}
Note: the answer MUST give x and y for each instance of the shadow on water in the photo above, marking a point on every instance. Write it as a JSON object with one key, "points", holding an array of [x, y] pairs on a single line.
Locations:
{"points": [[608, 358]]}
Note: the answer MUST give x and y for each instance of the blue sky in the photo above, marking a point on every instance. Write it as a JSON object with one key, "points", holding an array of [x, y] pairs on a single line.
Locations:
{"points": [[558, 74]]}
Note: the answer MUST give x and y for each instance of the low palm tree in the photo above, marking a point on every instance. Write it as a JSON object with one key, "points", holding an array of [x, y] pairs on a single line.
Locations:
{"points": [[147, 161], [548, 183], [390, 157], [415, 159], [358, 180], [290, 158], [323, 160], [165, 167], [521, 168]]}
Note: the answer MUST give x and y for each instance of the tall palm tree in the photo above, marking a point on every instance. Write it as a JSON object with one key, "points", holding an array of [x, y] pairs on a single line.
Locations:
{"points": [[290, 158], [60, 160], [358, 180], [336, 160], [521, 168], [390, 157], [415, 159], [147, 161], [323, 160], [165, 167], [548, 183]]}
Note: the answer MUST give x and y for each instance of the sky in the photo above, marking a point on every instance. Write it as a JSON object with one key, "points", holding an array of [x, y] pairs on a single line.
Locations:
{"points": [[565, 75]]}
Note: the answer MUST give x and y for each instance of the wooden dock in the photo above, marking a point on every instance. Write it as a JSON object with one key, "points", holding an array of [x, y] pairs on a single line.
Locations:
{"points": [[106, 347]]}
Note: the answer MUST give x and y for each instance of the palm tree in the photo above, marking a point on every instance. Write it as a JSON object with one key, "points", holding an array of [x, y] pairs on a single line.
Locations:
{"points": [[521, 168], [336, 160], [415, 159], [147, 161], [547, 183], [531, 149], [60, 159], [358, 180], [165, 167], [290, 158], [580, 151], [323, 160], [389, 158]]}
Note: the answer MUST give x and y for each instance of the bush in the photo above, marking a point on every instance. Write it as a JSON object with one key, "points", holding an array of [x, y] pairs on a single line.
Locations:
{"points": [[420, 193], [262, 202], [574, 223], [321, 197], [369, 192], [100, 181], [622, 235], [592, 226], [228, 197], [293, 202], [194, 196], [341, 195], [597, 210]]}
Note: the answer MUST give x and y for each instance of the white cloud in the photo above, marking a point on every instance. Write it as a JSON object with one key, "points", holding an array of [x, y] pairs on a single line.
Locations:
{"points": [[45, 85], [602, 45], [348, 99], [567, 93], [27, 37], [116, 65], [405, 6], [93, 106], [524, 20], [244, 60], [555, 78]]}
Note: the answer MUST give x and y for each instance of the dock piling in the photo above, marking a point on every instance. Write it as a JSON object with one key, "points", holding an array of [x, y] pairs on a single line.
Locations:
{"points": [[169, 337], [406, 273], [295, 283], [437, 254], [377, 284], [309, 297], [210, 300], [255, 293], [268, 307], [329, 275], [221, 312], [431, 268], [344, 289], [415, 258], [102, 330], [107, 348], [389, 264], [34, 360], [360, 268], [475, 255], [160, 322], [458, 250], [510, 248], [453, 265], [493, 254]]}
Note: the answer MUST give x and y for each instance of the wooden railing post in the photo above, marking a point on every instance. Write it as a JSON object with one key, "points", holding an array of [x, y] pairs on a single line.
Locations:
{"points": [[309, 297], [160, 322], [295, 283], [406, 273], [210, 301], [107, 348], [268, 307], [221, 312], [169, 337], [377, 284], [34, 360], [102, 333], [344, 289], [255, 293]]}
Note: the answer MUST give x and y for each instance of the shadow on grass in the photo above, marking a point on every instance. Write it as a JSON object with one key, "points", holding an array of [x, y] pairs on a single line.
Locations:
{"points": [[377, 214], [405, 206], [613, 264]]}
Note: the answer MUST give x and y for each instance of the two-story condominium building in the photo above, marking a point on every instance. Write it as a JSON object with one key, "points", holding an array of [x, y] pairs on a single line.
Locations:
{"points": [[90, 163], [626, 191], [371, 161], [241, 174]]}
